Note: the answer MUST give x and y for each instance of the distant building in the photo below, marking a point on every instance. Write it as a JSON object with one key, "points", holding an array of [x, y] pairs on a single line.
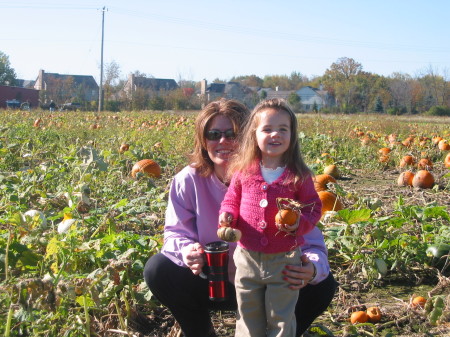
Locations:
{"points": [[274, 93], [310, 96], [17, 95], [66, 88], [154, 85], [229, 90]]}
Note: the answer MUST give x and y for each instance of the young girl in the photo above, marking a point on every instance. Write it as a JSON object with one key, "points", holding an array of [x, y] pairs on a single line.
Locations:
{"points": [[267, 166]]}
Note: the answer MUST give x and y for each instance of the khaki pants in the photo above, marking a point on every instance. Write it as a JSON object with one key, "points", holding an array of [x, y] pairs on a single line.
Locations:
{"points": [[266, 305]]}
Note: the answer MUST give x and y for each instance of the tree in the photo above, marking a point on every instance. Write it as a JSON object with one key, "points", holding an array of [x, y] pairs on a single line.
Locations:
{"points": [[294, 101], [378, 105], [7, 74], [342, 77]]}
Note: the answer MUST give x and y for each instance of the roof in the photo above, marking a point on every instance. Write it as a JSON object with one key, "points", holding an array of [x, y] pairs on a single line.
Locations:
{"points": [[25, 83], [156, 84], [85, 80]]}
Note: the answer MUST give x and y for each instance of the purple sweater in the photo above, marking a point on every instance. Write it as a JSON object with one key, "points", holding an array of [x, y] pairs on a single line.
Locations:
{"points": [[192, 216], [252, 202]]}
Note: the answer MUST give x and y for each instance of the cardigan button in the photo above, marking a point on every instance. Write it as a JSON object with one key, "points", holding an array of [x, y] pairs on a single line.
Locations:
{"points": [[262, 224], [264, 241], [263, 203], [264, 186]]}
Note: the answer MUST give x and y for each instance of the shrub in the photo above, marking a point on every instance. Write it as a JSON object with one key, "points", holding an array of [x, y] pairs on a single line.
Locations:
{"points": [[438, 111]]}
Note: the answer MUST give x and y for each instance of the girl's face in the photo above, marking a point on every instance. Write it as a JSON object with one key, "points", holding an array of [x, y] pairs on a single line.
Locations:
{"points": [[273, 136], [220, 150]]}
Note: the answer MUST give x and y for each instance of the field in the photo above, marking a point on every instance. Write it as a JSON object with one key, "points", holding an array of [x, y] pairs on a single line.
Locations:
{"points": [[73, 266]]}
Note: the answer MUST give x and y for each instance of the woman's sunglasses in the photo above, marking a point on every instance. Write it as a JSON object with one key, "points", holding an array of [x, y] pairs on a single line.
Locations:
{"points": [[216, 134]]}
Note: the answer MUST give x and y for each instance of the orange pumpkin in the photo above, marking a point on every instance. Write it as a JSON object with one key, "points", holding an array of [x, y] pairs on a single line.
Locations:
{"points": [[37, 123], [443, 145], [447, 161], [332, 170], [124, 147], [405, 178], [436, 140], [384, 158], [148, 167], [374, 314], [425, 164], [359, 317], [321, 181], [384, 151], [419, 301], [286, 217], [407, 160], [330, 201], [423, 179]]}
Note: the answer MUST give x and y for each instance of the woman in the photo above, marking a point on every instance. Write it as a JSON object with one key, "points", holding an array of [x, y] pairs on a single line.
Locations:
{"points": [[191, 222]]}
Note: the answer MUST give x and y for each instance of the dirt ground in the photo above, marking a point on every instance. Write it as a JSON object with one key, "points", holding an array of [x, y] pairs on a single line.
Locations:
{"points": [[399, 319]]}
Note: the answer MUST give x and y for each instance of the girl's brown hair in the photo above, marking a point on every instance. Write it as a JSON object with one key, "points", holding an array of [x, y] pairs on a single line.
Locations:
{"points": [[234, 110], [249, 151]]}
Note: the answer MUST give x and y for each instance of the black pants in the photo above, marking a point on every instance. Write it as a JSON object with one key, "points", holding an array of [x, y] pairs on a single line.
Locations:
{"points": [[186, 295]]}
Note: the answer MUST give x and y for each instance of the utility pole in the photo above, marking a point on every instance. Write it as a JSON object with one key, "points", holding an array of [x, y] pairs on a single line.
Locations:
{"points": [[100, 88]]}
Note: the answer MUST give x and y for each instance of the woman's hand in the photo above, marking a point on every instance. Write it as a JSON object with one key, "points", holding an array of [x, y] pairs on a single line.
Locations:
{"points": [[193, 257], [299, 275]]}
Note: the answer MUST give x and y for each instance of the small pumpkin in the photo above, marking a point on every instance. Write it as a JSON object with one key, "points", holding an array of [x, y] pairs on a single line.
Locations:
{"points": [[37, 123], [321, 182], [359, 317], [447, 161], [419, 301], [286, 219], [374, 314], [124, 147], [443, 145], [405, 178], [332, 170], [384, 151], [148, 167], [425, 164], [229, 234], [407, 160], [423, 179], [330, 201]]}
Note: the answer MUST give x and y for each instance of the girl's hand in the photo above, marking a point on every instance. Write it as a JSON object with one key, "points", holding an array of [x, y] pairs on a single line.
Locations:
{"points": [[225, 219], [299, 275], [193, 257]]}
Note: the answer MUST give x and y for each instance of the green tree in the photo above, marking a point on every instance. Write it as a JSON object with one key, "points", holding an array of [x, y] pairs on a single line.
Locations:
{"points": [[7, 74], [294, 101], [378, 105]]}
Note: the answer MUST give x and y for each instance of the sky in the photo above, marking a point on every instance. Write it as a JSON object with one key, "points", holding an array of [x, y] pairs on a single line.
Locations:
{"points": [[195, 40]]}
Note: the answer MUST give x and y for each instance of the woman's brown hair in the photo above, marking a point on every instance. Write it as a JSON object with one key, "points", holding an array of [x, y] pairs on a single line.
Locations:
{"points": [[234, 110]]}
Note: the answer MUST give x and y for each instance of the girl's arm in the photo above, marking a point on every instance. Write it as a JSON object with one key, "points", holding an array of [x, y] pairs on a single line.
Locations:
{"points": [[232, 199]]}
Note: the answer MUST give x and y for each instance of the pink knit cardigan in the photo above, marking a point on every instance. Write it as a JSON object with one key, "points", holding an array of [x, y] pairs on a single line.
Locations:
{"points": [[252, 202]]}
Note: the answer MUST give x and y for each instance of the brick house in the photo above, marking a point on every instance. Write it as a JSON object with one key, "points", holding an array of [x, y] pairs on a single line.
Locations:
{"points": [[19, 95], [63, 88]]}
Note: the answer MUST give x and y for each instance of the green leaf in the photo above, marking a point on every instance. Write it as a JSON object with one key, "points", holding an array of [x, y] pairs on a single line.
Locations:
{"points": [[81, 300], [354, 216]]}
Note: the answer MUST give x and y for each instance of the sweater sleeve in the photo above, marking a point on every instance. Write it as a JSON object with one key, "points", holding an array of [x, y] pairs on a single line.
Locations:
{"points": [[232, 200], [311, 213]]}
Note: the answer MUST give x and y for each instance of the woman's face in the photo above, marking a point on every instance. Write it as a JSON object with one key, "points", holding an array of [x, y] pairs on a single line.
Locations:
{"points": [[220, 150]]}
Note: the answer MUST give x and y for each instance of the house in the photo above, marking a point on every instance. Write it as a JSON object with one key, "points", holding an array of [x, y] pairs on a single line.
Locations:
{"points": [[229, 90], [310, 96], [274, 93], [153, 85], [18, 95], [66, 88]]}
